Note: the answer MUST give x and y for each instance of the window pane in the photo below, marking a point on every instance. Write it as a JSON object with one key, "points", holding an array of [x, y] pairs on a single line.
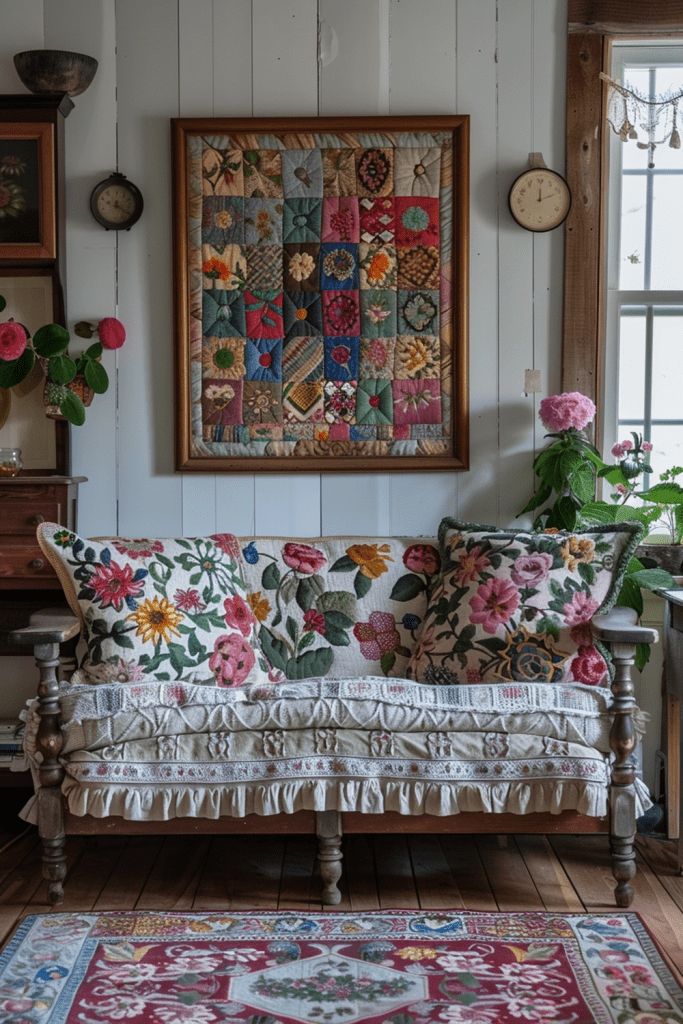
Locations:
{"points": [[668, 79], [631, 367], [633, 201], [667, 368], [638, 79], [667, 451], [667, 226]]}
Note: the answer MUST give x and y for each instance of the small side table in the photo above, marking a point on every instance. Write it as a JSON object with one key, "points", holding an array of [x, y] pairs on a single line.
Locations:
{"points": [[672, 694]]}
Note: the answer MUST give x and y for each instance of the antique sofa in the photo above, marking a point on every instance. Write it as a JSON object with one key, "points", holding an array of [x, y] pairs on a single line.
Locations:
{"points": [[338, 685]]}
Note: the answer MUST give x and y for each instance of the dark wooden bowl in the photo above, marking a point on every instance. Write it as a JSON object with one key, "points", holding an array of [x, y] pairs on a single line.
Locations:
{"points": [[55, 71]]}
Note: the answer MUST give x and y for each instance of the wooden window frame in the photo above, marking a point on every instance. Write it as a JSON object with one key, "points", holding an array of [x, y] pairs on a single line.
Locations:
{"points": [[592, 25]]}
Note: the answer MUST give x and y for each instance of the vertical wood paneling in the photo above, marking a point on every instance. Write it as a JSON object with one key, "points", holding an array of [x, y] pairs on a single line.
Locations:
{"points": [[549, 63], [22, 29], [477, 96], [418, 501], [356, 81], [285, 81], [147, 65], [89, 26], [195, 99], [515, 253]]}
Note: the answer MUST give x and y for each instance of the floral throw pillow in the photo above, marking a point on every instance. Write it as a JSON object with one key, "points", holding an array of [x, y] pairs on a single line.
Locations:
{"points": [[515, 606], [338, 606], [158, 609]]}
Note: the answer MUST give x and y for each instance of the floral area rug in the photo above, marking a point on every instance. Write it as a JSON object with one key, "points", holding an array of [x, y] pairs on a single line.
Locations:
{"points": [[385, 967]]}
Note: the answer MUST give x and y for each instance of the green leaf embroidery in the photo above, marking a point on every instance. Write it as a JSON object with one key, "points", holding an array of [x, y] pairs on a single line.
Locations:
{"points": [[406, 588], [271, 577]]}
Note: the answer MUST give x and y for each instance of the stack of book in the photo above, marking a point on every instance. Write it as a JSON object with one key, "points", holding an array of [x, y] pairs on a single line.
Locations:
{"points": [[11, 741]]}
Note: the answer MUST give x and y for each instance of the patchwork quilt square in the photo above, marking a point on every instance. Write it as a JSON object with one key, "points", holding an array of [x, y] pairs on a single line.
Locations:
{"points": [[318, 261]]}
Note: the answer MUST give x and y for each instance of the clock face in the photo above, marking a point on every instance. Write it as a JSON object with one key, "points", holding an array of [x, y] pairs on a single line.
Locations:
{"points": [[116, 203], [539, 199]]}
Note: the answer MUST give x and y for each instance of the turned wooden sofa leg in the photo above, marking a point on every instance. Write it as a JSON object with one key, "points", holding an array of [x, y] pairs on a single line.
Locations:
{"points": [[49, 744], [622, 789], [329, 831]]}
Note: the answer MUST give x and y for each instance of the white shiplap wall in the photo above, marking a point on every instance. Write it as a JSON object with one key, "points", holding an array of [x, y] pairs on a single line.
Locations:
{"points": [[501, 61]]}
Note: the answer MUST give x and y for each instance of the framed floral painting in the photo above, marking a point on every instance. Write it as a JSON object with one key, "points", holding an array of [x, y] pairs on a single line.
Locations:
{"points": [[321, 270], [27, 191]]}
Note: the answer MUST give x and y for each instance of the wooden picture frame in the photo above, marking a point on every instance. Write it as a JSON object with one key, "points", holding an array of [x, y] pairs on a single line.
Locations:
{"points": [[27, 191], [321, 284]]}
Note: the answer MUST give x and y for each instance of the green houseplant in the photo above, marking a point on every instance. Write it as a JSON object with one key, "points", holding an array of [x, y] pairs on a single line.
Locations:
{"points": [[65, 373], [568, 470]]}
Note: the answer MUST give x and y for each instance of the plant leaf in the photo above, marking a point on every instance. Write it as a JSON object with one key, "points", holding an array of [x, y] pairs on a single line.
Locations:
{"points": [[663, 494], [50, 340], [96, 376], [61, 369], [73, 409], [83, 329], [16, 370]]}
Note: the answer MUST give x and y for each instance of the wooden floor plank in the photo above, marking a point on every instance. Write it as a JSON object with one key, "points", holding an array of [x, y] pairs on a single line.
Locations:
{"points": [[462, 856], [549, 877], [175, 875], [434, 881], [254, 872], [395, 879], [660, 856], [301, 883], [359, 882], [508, 875], [125, 885], [90, 872]]}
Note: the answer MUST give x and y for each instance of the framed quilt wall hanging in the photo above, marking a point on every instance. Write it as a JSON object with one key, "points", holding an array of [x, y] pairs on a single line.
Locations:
{"points": [[321, 275]]}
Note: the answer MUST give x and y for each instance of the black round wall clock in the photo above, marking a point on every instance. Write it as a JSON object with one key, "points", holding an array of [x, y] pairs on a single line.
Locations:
{"points": [[116, 203]]}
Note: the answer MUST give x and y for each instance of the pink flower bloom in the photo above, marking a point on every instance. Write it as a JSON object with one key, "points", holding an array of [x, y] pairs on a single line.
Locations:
{"points": [[12, 341], [580, 609], [303, 558], [111, 332], [228, 544], [589, 666], [621, 448], [314, 621], [494, 603], [188, 601], [113, 583], [422, 558], [377, 636], [647, 446], [621, 489], [569, 410], [471, 564], [239, 615], [232, 660], [530, 570]]}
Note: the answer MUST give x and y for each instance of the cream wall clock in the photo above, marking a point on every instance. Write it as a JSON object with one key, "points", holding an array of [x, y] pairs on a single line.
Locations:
{"points": [[539, 198]]}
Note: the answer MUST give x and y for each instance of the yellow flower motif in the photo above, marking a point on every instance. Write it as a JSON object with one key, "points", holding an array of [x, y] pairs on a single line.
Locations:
{"points": [[417, 953], [575, 550], [371, 558], [157, 619], [259, 605]]}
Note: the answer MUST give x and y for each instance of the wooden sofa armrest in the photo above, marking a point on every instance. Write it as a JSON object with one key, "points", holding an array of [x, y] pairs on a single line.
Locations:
{"points": [[620, 626], [48, 626]]}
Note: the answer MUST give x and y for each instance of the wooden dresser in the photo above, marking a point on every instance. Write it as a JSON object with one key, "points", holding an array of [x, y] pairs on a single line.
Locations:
{"points": [[27, 582]]}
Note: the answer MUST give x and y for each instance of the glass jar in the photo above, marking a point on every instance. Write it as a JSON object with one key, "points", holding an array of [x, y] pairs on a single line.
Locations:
{"points": [[10, 461]]}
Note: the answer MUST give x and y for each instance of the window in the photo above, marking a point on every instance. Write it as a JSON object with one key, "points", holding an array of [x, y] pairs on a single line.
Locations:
{"points": [[643, 378]]}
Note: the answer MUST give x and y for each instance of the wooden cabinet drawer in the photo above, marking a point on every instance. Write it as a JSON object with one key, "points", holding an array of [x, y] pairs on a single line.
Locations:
{"points": [[24, 560], [21, 517]]}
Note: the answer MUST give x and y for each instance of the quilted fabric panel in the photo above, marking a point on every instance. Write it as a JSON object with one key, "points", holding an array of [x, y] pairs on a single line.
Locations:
{"points": [[158, 609], [517, 606], [345, 237], [338, 606]]}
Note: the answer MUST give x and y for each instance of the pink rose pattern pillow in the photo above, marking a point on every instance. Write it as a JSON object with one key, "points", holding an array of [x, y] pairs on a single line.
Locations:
{"points": [[513, 606], [158, 609]]}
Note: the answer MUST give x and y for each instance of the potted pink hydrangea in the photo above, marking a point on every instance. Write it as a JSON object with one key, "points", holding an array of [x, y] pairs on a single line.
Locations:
{"points": [[70, 381]]}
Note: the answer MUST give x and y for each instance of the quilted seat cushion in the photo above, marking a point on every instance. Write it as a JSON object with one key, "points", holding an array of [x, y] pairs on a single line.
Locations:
{"points": [[517, 606], [163, 609]]}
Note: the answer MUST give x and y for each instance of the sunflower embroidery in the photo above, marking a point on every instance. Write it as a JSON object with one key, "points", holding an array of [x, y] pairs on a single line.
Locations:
{"points": [[156, 619]]}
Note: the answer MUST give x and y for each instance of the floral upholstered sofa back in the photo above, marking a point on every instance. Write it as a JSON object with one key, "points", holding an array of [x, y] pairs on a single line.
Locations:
{"points": [[338, 606]]}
